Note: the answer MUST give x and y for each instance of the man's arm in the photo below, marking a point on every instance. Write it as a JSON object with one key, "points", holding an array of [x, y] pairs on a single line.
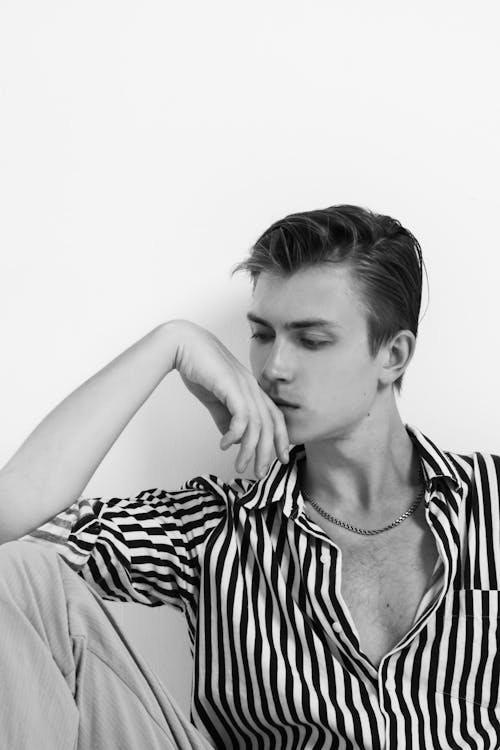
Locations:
{"points": [[55, 463], [53, 466]]}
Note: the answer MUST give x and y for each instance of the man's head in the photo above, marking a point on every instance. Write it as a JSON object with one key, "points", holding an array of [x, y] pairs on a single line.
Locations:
{"points": [[357, 269]]}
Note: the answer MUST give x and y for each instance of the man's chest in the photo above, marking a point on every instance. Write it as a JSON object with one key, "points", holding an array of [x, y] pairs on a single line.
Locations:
{"points": [[383, 596], [382, 582]]}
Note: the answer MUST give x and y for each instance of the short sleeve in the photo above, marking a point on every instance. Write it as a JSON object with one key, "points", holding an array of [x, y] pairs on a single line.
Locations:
{"points": [[144, 548]]}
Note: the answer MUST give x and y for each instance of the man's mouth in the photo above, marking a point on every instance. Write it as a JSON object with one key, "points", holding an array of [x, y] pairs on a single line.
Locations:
{"points": [[285, 404]]}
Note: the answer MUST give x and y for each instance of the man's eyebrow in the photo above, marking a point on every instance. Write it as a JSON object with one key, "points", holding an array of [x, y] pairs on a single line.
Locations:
{"points": [[308, 323]]}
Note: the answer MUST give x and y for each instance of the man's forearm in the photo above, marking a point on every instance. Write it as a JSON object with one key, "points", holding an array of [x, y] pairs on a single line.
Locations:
{"points": [[55, 463]]}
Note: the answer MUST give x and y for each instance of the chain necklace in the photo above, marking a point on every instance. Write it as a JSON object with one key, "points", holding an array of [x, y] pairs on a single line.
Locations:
{"points": [[350, 527]]}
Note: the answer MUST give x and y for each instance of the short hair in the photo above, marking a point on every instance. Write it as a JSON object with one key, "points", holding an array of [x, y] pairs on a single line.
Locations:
{"points": [[385, 260]]}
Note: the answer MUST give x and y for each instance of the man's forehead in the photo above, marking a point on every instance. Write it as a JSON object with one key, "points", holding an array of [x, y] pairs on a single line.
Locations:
{"points": [[318, 296], [320, 280]]}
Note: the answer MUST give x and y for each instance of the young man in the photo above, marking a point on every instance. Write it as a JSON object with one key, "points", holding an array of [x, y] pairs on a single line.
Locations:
{"points": [[348, 597]]}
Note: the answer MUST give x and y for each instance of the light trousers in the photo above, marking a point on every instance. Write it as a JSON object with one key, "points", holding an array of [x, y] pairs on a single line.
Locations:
{"points": [[69, 678]]}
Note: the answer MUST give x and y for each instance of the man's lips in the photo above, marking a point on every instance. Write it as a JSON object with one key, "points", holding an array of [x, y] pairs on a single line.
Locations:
{"points": [[280, 402]]}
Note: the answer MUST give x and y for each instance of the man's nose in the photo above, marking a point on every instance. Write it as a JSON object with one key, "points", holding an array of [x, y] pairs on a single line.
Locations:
{"points": [[278, 364]]}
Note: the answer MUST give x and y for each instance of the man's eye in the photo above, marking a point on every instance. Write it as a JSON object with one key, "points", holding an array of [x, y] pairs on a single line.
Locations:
{"points": [[312, 344], [308, 343]]}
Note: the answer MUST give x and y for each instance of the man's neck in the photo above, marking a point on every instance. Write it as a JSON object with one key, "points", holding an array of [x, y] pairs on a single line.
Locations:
{"points": [[368, 474]]}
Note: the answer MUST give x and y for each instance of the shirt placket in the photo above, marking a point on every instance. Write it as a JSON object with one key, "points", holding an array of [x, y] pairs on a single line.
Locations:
{"points": [[435, 513], [344, 634]]}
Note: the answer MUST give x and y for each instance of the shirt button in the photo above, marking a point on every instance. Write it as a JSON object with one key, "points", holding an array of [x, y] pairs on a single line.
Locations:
{"points": [[325, 556], [337, 627]]}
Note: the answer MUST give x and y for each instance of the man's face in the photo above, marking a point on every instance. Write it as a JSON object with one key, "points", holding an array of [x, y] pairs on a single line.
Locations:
{"points": [[326, 370]]}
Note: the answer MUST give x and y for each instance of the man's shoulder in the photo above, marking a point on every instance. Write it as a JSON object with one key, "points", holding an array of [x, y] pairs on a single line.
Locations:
{"points": [[477, 467], [473, 458]]}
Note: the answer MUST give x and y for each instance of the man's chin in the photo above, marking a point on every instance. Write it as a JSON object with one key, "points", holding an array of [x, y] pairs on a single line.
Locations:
{"points": [[298, 434]]}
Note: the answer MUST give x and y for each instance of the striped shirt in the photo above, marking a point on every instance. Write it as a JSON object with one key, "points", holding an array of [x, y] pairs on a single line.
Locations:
{"points": [[277, 661]]}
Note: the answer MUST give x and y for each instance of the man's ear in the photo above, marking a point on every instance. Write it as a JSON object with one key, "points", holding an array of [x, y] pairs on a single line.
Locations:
{"points": [[398, 353]]}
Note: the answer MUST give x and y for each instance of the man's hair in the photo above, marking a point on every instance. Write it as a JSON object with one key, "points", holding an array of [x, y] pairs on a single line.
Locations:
{"points": [[383, 257]]}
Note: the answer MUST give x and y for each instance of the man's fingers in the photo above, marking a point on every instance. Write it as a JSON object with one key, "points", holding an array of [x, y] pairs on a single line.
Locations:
{"points": [[264, 453], [257, 425], [236, 429], [281, 439], [273, 436], [249, 443], [230, 392]]}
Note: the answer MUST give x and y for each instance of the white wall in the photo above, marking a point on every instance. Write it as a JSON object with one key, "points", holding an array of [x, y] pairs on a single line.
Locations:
{"points": [[144, 146]]}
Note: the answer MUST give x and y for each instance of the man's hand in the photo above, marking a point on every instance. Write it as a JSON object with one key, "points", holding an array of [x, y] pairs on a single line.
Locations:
{"points": [[242, 411]]}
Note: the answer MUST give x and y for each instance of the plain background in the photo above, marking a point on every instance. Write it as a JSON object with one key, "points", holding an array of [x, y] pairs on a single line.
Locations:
{"points": [[143, 148]]}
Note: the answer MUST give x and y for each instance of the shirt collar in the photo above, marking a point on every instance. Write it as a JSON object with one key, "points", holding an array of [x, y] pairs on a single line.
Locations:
{"points": [[282, 480]]}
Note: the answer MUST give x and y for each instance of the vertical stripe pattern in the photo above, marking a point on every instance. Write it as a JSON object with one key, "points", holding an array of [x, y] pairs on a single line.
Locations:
{"points": [[276, 658]]}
